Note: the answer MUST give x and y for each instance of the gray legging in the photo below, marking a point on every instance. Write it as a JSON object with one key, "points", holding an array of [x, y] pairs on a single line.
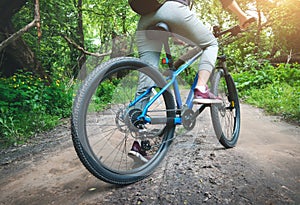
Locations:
{"points": [[183, 22]]}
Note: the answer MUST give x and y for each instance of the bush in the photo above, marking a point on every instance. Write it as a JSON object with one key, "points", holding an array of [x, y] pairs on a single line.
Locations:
{"points": [[276, 89], [29, 105], [281, 99]]}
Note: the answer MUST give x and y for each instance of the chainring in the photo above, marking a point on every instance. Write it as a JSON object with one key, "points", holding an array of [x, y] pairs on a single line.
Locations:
{"points": [[187, 119]]}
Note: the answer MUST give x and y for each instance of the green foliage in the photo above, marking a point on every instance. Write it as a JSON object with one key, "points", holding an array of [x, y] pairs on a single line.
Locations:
{"points": [[29, 105], [104, 95], [102, 20], [111, 91], [283, 19], [273, 88], [279, 98]]}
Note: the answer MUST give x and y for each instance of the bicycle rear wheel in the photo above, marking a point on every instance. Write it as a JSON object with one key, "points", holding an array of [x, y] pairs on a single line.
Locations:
{"points": [[226, 117], [105, 125]]}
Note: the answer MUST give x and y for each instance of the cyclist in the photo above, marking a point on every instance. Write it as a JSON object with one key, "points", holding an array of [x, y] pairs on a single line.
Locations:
{"points": [[183, 22]]}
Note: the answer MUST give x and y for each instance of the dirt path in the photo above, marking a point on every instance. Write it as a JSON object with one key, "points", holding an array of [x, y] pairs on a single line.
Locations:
{"points": [[263, 169]]}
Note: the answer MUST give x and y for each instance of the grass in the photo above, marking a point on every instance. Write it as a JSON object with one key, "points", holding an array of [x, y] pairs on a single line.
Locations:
{"points": [[277, 99], [276, 89]]}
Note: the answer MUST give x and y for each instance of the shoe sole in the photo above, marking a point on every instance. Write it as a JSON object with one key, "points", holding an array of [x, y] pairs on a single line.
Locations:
{"points": [[137, 157], [207, 101]]}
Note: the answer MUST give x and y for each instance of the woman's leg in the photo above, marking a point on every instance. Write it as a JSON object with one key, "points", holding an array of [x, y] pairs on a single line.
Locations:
{"points": [[185, 24]]}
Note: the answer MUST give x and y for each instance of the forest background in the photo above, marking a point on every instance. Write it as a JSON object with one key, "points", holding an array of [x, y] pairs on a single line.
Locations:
{"points": [[44, 47]]}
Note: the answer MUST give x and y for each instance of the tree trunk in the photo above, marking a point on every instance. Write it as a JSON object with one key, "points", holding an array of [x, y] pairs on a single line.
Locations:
{"points": [[257, 36], [82, 58]]}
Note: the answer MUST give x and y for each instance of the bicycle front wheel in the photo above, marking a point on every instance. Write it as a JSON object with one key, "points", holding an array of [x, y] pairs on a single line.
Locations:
{"points": [[226, 117], [105, 121]]}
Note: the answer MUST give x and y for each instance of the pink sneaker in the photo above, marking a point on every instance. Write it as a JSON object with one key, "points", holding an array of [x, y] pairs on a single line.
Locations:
{"points": [[137, 154], [205, 98]]}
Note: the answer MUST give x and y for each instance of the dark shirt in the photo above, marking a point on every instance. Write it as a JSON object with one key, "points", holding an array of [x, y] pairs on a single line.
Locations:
{"points": [[225, 3], [185, 2]]}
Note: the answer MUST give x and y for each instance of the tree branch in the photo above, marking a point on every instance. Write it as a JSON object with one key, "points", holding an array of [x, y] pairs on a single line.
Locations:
{"points": [[16, 35], [83, 50], [35, 22]]}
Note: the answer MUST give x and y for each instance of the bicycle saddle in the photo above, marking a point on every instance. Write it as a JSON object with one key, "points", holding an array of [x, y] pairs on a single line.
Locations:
{"points": [[159, 31]]}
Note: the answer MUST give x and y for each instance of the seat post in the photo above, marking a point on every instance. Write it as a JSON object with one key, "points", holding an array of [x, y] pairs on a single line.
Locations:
{"points": [[169, 55], [164, 38]]}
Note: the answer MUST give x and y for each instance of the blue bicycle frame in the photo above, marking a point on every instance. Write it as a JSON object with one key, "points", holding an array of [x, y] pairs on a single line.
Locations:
{"points": [[173, 81]]}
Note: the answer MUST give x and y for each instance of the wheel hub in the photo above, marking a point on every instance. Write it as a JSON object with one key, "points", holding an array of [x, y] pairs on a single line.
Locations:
{"points": [[131, 120]]}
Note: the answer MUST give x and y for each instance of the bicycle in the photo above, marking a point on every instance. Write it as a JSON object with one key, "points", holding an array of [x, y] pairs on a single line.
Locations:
{"points": [[108, 114]]}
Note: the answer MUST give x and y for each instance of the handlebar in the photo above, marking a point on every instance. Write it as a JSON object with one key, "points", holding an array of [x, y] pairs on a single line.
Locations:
{"points": [[234, 31]]}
